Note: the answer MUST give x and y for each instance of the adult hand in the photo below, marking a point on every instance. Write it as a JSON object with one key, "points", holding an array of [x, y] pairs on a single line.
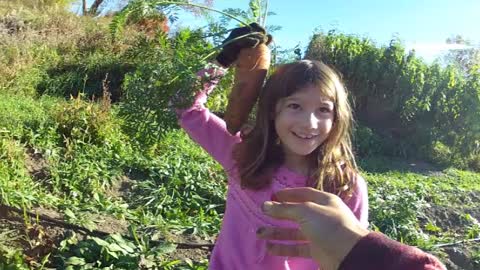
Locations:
{"points": [[240, 38], [328, 229]]}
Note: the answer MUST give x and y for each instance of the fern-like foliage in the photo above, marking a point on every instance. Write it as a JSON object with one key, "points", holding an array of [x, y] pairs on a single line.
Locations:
{"points": [[137, 10]]}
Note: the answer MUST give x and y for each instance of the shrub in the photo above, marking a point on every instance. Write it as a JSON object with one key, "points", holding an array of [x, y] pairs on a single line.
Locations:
{"points": [[366, 142], [474, 163], [440, 154], [94, 149], [17, 188], [87, 75], [413, 101], [20, 115], [166, 68], [182, 182], [80, 120]]}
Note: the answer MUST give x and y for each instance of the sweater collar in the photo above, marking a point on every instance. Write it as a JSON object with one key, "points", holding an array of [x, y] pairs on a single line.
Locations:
{"points": [[290, 177]]}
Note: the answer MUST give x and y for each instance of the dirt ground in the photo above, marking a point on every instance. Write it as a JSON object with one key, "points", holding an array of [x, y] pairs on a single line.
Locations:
{"points": [[453, 219]]}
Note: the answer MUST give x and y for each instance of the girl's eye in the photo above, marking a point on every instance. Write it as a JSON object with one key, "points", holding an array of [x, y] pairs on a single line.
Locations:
{"points": [[293, 106], [324, 110]]}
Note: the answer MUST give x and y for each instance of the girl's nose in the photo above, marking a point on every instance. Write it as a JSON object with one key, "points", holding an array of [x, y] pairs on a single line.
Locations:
{"points": [[312, 121]]}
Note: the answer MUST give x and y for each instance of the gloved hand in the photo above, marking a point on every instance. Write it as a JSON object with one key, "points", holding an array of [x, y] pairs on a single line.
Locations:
{"points": [[230, 51]]}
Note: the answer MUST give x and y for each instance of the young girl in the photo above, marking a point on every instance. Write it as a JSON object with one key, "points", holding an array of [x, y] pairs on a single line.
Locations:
{"points": [[300, 138]]}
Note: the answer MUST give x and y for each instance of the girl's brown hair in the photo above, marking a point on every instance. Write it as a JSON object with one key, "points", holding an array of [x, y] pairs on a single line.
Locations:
{"points": [[258, 155]]}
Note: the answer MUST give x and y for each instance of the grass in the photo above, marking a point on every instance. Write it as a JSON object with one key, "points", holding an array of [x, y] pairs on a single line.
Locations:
{"points": [[405, 204], [85, 154]]}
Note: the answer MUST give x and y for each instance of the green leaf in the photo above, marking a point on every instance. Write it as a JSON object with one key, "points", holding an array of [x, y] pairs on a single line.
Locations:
{"points": [[113, 254], [115, 247], [69, 213], [255, 8], [432, 228], [75, 261], [165, 248], [100, 242]]}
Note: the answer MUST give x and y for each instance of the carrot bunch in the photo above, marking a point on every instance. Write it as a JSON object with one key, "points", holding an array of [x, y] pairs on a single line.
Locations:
{"points": [[250, 71], [246, 48]]}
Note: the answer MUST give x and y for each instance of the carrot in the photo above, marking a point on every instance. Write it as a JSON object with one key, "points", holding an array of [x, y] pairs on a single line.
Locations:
{"points": [[250, 71]]}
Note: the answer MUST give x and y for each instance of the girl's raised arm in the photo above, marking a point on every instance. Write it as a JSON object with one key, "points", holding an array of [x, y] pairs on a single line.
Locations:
{"points": [[204, 127], [207, 129]]}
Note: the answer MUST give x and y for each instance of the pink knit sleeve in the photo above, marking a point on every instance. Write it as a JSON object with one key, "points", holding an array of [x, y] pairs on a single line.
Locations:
{"points": [[207, 129], [358, 203]]}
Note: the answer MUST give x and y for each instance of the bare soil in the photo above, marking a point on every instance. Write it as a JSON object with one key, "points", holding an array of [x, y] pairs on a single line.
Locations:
{"points": [[452, 219]]}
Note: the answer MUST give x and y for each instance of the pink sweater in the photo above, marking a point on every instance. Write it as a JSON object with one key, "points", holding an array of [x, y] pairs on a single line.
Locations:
{"points": [[237, 246]]}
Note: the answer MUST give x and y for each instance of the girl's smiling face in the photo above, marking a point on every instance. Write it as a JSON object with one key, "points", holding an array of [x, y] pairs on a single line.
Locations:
{"points": [[303, 121]]}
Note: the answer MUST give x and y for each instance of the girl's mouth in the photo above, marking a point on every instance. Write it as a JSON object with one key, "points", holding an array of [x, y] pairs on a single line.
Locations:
{"points": [[305, 136]]}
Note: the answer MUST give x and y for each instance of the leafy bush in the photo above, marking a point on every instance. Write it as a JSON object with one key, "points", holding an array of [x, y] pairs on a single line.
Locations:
{"points": [[12, 259], [88, 75], [114, 252], [184, 184], [394, 211], [474, 163], [93, 147], [21, 114], [84, 121], [397, 92], [441, 154], [167, 68], [366, 142], [17, 187]]}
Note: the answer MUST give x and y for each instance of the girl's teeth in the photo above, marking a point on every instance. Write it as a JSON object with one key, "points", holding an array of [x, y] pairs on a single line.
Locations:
{"points": [[304, 136]]}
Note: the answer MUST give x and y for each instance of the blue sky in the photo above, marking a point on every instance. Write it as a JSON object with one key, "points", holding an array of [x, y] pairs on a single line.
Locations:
{"points": [[421, 24]]}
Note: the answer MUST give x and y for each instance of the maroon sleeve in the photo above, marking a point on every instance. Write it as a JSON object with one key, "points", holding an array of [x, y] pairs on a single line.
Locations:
{"points": [[378, 252]]}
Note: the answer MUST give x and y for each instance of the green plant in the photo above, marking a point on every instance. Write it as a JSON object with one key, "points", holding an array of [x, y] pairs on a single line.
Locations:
{"points": [[476, 258], [394, 209], [88, 75], [441, 154], [84, 121], [411, 101], [21, 114], [168, 68], [181, 170], [12, 260], [474, 163], [112, 252], [473, 230], [16, 186], [366, 142]]}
